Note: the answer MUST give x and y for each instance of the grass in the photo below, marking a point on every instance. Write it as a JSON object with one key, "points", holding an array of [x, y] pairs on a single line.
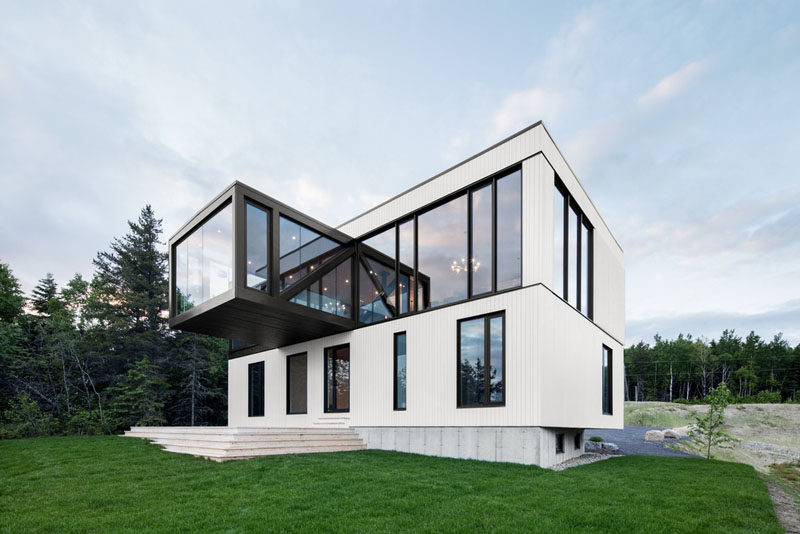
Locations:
{"points": [[79, 484]]}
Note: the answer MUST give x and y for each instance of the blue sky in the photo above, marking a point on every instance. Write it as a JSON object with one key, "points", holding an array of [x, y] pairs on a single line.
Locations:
{"points": [[681, 120]]}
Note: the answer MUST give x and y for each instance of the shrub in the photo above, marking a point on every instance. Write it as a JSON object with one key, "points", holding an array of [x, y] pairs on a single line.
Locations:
{"points": [[768, 397], [596, 439]]}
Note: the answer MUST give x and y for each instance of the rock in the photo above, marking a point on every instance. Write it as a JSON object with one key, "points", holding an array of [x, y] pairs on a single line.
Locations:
{"points": [[654, 435], [671, 434], [682, 431], [609, 447], [592, 446]]}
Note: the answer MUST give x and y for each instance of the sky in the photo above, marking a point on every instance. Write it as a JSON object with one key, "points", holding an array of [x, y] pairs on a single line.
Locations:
{"points": [[679, 118]]}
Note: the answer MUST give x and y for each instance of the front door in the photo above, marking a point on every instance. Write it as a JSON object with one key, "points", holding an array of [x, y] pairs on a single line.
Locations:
{"points": [[337, 379]]}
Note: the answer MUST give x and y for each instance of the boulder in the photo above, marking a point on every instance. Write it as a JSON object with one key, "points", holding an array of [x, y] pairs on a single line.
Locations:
{"points": [[671, 434], [654, 435], [610, 447], [592, 446], [683, 431]]}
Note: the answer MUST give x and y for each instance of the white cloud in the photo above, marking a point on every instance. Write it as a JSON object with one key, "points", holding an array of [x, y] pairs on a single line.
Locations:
{"points": [[673, 84], [525, 107]]}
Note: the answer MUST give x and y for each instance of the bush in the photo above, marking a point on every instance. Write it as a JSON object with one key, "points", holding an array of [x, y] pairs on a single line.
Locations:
{"points": [[596, 439], [768, 397], [25, 419]]}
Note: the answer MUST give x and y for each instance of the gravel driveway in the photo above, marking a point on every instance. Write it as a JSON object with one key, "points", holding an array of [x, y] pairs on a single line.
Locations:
{"points": [[630, 440]]}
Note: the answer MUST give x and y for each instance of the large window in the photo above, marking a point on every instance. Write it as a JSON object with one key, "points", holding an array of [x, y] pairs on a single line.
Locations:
{"points": [[572, 253], [255, 389], [331, 293], [607, 381], [297, 384], [400, 371], [509, 231], [302, 251], [466, 245], [257, 237], [204, 261], [337, 379], [442, 251], [481, 361]]}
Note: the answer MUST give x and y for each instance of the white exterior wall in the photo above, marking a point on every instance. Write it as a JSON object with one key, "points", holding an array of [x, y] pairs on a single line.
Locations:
{"points": [[552, 377]]}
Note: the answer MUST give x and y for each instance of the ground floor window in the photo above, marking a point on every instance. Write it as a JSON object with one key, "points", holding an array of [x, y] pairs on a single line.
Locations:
{"points": [[559, 443], [400, 371], [255, 389], [296, 383], [337, 379], [578, 440], [607, 358], [481, 361]]}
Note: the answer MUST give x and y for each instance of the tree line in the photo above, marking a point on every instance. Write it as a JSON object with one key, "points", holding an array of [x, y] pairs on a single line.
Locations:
{"points": [[686, 368], [97, 356]]}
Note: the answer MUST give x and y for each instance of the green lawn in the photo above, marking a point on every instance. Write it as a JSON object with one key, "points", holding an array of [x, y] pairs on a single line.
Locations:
{"points": [[123, 484]]}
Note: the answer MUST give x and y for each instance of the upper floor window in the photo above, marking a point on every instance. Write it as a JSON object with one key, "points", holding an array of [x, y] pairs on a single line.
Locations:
{"points": [[466, 245], [257, 238], [572, 252], [204, 261], [302, 250], [481, 361]]}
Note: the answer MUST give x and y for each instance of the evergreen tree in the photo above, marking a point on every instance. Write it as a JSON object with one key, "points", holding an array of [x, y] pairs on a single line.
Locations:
{"points": [[44, 297], [138, 400], [11, 299]]}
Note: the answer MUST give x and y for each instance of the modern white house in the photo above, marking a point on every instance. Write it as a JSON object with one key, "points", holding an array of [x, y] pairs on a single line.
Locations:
{"points": [[479, 314]]}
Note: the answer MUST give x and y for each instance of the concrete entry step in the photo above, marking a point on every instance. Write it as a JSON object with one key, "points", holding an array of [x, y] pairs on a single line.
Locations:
{"points": [[225, 443]]}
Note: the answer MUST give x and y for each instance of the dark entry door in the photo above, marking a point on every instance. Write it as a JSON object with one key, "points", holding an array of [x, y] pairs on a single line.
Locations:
{"points": [[337, 379]]}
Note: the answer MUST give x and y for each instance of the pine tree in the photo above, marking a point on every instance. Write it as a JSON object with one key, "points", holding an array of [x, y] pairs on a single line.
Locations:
{"points": [[139, 397], [11, 299], [44, 296]]}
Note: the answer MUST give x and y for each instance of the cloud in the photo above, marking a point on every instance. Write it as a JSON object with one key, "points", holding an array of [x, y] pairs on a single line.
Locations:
{"points": [[525, 107], [673, 84]]}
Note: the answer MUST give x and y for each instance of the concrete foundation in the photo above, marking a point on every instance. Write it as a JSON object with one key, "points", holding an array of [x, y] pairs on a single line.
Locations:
{"points": [[522, 445]]}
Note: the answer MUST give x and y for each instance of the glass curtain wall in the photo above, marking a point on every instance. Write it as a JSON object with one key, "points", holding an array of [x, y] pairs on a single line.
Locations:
{"points": [[331, 293], [257, 238], [509, 231], [481, 225], [442, 251], [204, 261], [302, 251]]}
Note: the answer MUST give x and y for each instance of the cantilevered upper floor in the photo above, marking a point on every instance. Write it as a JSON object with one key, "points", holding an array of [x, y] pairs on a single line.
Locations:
{"points": [[251, 269]]}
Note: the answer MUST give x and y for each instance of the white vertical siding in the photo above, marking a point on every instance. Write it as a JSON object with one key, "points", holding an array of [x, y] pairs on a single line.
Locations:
{"points": [[537, 221], [553, 372]]}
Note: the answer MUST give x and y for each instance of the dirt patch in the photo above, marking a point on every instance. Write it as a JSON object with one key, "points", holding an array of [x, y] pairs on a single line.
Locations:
{"points": [[785, 508]]}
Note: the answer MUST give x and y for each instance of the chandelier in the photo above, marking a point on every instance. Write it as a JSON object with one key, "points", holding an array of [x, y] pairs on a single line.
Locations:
{"points": [[459, 267]]}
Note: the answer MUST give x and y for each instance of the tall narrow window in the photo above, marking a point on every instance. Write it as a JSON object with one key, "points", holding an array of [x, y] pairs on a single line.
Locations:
{"points": [[607, 381], [255, 389], [509, 231], [481, 355], [257, 246], [481, 226], [558, 248], [586, 283], [400, 371], [572, 257], [406, 265], [337, 379], [297, 383]]}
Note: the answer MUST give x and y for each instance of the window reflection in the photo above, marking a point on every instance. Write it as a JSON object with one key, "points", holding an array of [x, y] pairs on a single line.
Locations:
{"points": [[586, 237], [257, 233], [204, 261], [481, 261], [558, 248], [442, 251], [406, 231], [572, 257], [331, 293], [480, 361], [400, 371], [302, 251], [509, 231], [337, 379], [372, 305]]}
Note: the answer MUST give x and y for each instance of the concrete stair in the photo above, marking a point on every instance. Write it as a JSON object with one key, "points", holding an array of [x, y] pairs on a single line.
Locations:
{"points": [[225, 443]]}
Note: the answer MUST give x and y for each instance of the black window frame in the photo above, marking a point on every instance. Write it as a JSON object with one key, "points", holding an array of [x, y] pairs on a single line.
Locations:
{"points": [[394, 367], [419, 305], [607, 377], [583, 222], [560, 443], [487, 358], [251, 393], [326, 353], [578, 440], [289, 383]]}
